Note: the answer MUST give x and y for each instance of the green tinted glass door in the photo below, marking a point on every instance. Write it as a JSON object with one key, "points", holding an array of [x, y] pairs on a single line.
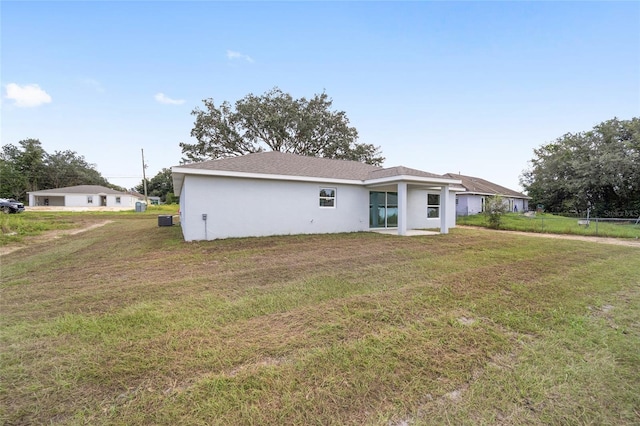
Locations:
{"points": [[383, 209], [377, 209], [392, 209]]}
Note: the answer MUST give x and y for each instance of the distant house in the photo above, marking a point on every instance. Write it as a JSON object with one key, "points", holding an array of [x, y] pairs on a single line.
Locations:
{"points": [[86, 197], [472, 200], [273, 193]]}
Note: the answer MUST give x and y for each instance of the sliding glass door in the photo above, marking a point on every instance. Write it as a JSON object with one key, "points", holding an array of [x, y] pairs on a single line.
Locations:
{"points": [[383, 209]]}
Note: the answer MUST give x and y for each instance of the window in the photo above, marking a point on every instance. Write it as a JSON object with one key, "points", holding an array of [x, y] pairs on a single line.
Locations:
{"points": [[89, 199], [117, 200], [327, 197], [433, 205]]}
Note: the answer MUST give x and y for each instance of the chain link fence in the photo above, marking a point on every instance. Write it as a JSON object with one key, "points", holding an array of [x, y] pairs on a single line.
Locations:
{"points": [[548, 223]]}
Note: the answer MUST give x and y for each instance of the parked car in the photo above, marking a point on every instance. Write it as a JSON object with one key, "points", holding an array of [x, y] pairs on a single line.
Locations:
{"points": [[10, 206]]}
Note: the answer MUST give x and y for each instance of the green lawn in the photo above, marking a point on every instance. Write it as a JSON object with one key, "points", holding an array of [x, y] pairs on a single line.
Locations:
{"points": [[553, 224], [126, 324]]}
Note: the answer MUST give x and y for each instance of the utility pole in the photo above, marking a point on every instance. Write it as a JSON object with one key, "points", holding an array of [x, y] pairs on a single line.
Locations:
{"points": [[144, 178]]}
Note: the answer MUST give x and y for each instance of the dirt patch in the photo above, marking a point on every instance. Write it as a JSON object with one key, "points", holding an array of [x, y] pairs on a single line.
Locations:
{"points": [[466, 321], [48, 236]]}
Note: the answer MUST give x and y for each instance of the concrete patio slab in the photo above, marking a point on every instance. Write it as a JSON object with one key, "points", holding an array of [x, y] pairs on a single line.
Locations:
{"points": [[410, 232]]}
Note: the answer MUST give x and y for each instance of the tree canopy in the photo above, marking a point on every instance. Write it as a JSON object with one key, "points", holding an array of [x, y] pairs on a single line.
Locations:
{"points": [[598, 169], [28, 167], [276, 121], [161, 185]]}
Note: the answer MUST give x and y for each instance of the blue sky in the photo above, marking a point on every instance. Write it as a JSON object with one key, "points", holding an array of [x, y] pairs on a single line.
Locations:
{"points": [[470, 87]]}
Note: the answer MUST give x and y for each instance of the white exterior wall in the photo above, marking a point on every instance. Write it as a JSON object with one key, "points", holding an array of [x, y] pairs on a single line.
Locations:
{"points": [[242, 207], [523, 205], [417, 210], [182, 203], [451, 211], [77, 200], [461, 205], [469, 204], [125, 201]]}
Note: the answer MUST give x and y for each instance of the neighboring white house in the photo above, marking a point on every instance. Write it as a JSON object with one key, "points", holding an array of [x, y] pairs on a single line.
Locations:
{"points": [[85, 197], [472, 200], [273, 193]]}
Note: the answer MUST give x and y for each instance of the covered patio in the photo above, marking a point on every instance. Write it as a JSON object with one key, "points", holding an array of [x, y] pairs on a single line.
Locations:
{"points": [[407, 204]]}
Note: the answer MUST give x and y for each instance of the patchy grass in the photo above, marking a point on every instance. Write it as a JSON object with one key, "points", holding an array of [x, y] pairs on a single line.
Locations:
{"points": [[126, 324], [552, 224], [15, 227], [152, 209]]}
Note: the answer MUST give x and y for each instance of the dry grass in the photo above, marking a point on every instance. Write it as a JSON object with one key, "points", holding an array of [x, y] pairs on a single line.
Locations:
{"points": [[126, 324]]}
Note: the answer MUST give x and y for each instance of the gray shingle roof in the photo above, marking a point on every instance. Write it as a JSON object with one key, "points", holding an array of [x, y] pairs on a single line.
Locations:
{"points": [[401, 171], [81, 189], [279, 163], [481, 186]]}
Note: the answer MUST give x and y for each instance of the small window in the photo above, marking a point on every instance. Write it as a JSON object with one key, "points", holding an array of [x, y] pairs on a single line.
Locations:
{"points": [[433, 205], [117, 200], [90, 199], [327, 197]]}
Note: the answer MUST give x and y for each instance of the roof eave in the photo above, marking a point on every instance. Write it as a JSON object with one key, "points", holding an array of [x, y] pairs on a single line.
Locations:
{"points": [[182, 171], [63, 194], [412, 179], [491, 194], [55, 194], [457, 189]]}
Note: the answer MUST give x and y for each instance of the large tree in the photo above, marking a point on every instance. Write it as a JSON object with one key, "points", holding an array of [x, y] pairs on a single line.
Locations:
{"points": [[22, 167], [275, 121], [598, 169], [161, 185], [67, 168], [28, 167]]}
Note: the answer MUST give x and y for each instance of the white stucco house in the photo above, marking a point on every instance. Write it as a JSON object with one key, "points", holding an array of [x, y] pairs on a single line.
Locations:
{"points": [[82, 197], [471, 201], [274, 193]]}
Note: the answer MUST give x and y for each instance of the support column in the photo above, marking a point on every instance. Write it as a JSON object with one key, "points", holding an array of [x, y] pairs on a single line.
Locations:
{"points": [[444, 208], [402, 208]]}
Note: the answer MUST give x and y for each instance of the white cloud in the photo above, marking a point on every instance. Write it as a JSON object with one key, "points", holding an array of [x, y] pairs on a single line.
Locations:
{"points": [[29, 95], [163, 99], [237, 55]]}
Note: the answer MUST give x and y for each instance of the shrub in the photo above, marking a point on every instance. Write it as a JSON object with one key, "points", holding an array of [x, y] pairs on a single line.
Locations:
{"points": [[494, 208]]}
